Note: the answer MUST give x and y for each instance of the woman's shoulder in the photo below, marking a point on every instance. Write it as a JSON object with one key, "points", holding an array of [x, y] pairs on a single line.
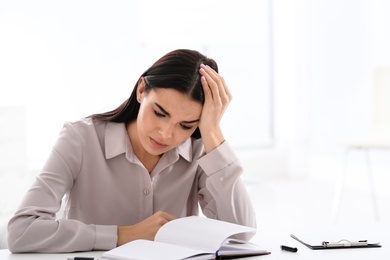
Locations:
{"points": [[82, 122], [88, 126], [84, 126], [87, 123]]}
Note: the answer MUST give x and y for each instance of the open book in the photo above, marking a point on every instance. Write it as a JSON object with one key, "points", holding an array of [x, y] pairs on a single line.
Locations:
{"points": [[189, 238]]}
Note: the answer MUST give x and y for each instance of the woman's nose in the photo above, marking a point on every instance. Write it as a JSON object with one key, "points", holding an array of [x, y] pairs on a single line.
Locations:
{"points": [[166, 131]]}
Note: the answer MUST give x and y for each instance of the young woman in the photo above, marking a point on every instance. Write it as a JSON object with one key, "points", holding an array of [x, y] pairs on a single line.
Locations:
{"points": [[127, 172]]}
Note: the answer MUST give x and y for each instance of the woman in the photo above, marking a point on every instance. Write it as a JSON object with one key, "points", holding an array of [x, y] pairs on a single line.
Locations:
{"points": [[127, 172]]}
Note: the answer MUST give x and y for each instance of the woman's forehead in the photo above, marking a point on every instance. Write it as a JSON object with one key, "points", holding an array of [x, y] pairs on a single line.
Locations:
{"points": [[175, 102]]}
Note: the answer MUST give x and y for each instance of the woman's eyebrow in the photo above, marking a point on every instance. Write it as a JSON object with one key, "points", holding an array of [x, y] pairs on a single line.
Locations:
{"points": [[169, 115], [163, 110]]}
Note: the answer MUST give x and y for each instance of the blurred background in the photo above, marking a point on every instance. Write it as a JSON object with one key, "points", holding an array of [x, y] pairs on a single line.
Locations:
{"points": [[301, 73]]}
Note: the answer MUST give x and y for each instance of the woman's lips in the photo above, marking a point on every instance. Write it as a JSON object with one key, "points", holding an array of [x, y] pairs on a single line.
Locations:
{"points": [[157, 144]]}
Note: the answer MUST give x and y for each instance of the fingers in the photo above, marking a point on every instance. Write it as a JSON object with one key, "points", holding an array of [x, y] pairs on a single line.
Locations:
{"points": [[210, 82], [214, 85], [145, 229], [159, 219], [163, 217]]}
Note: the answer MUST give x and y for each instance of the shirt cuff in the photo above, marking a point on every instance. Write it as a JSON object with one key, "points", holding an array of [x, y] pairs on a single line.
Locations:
{"points": [[106, 237], [219, 158]]}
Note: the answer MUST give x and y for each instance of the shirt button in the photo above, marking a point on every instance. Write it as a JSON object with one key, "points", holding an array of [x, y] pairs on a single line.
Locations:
{"points": [[146, 191]]}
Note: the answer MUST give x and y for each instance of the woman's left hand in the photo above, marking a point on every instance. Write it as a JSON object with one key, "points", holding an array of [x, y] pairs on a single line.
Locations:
{"points": [[217, 99]]}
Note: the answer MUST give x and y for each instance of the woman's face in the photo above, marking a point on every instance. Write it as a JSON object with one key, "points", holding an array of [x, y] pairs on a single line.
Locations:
{"points": [[166, 118]]}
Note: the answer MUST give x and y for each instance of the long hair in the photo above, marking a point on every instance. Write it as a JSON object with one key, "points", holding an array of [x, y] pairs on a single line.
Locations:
{"points": [[179, 70]]}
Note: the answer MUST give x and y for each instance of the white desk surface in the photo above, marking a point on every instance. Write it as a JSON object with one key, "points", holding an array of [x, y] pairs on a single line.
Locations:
{"points": [[276, 253], [271, 241], [5, 254]]}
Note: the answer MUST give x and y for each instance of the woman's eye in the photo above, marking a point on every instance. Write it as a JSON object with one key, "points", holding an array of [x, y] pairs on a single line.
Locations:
{"points": [[185, 127], [158, 114]]}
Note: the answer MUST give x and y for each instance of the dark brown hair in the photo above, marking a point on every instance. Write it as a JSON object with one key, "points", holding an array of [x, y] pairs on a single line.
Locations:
{"points": [[179, 70]]}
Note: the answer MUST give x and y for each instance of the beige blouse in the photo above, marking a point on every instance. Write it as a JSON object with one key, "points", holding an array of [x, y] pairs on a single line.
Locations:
{"points": [[104, 185]]}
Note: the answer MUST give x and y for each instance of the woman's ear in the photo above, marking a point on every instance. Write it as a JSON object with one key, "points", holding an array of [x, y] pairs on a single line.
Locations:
{"points": [[140, 89]]}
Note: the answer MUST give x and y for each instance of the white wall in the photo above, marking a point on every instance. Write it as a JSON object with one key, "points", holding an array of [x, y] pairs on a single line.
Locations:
{"points": [[13, 140], [325, 54]]}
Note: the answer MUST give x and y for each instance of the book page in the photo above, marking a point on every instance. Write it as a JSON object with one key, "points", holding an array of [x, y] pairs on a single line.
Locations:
{"points": [[245, 248], [199, 233], [147, 250]]}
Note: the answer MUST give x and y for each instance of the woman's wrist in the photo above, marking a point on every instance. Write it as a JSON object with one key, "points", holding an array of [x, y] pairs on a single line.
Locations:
{"points": [[121, 235], [212, 139]]}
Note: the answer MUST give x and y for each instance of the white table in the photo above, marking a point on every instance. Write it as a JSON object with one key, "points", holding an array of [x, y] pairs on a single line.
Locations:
{"points": [[271, 239], [276, 253], [5, 254]]}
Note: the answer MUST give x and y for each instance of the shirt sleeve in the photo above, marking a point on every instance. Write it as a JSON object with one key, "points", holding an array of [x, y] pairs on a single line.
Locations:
{"points": [[34, 227], [223, 194]]}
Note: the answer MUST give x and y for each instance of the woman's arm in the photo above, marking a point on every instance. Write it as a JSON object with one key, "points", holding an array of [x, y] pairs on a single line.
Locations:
{"points": [[223, 194], [217, 99], [34, 227]]}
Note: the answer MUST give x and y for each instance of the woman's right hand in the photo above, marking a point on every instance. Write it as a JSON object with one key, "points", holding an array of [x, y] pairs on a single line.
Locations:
{"points": [[145, 229]]}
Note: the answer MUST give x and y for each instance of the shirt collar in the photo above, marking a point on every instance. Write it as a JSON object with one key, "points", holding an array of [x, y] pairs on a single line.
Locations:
{"points": [[184, 150], [118, 142], [115, 138]]}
